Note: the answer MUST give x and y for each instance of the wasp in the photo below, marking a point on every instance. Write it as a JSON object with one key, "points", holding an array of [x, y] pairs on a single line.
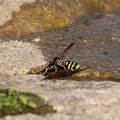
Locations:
{"points": [[55, 68]]}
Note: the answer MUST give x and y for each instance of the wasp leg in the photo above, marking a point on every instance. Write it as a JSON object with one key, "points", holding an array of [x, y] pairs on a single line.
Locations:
{"points": [[61, 67]]}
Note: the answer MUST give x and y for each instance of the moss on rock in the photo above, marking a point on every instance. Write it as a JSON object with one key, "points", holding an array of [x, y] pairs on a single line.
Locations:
{"points": [[14, 102]]}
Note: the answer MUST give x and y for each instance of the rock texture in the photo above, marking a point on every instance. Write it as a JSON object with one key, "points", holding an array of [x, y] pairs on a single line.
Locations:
{"points": [[88, 100], [99, 48], [18, 57], [7, 7], [48, 15]]}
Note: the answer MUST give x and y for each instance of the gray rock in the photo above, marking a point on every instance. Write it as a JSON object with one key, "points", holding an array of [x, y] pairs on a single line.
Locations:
{"points": [[17, 57], [79, 100], [88, 100]]}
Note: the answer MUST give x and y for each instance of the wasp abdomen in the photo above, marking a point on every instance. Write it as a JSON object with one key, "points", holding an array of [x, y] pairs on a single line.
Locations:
{"points": [[72, 66]]}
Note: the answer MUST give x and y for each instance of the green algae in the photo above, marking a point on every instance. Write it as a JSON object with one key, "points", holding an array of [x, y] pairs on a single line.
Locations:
{"points": [[14, 102]]}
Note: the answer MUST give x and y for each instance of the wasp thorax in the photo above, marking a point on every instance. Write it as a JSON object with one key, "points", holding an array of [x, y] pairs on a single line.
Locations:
{"points": [[48, 69]]}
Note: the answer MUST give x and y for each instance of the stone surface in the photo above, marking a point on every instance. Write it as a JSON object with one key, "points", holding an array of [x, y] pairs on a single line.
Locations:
{"points": [[7, 7], [17, 57], [79, 100], [42, 16], [48, 15], [99, 47], [88, 100]]}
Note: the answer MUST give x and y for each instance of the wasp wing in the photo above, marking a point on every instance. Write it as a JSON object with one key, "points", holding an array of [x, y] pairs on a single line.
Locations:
{"points": [[66, 49]]}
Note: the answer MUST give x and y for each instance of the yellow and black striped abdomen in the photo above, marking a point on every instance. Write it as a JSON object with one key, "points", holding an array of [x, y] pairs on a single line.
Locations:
{"points": [[71, 66]]}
